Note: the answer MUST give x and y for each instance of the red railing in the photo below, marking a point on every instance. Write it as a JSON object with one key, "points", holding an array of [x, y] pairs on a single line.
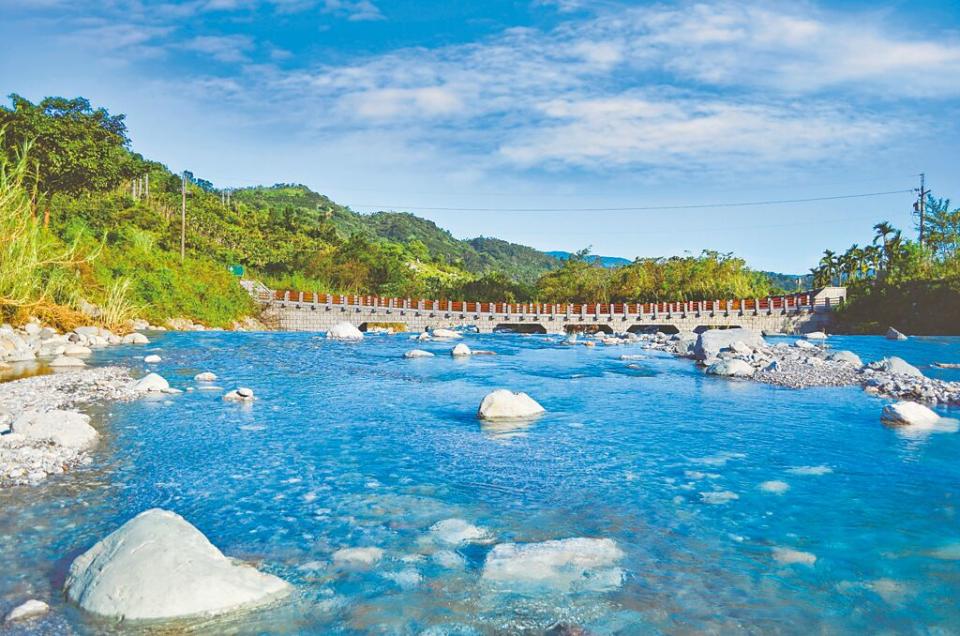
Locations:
{"points": [[793, 302]]}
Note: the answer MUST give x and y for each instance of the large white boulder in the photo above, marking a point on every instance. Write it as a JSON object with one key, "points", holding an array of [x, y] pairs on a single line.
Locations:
{"points": [[566, 564], [893, 334], [344, 331], [446, 334], [152, 382], [712, 341], [897, 366], [506, 405], [803, 344], [242, 394], [461, 350], [417, 353], [732, 367], [815, 335], [158, 566], [65, 428], [66, 362], [205, 376], [134, 338], [907, 413], [152, 358]]}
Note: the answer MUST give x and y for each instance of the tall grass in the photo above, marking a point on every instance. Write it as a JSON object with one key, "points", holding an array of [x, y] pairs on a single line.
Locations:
{"points": [[118, 307], [37, 271]]}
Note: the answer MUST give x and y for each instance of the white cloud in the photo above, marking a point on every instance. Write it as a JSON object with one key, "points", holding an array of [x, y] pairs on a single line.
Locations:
{"points": [[353, 10], [223, 48]]}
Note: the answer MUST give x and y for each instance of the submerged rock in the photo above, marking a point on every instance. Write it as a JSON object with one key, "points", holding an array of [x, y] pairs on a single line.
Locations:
{"points": [[566, 564], [457, 531], [344, 331], [504, 404], [357, 557], [789, 556], [418, 353], [461, 350], [893, 334], [158, 566], [65, 428], [27, 610]]}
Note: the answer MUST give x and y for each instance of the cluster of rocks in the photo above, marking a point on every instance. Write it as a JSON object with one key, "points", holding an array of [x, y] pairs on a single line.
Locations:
{"points": [[40, 432], [802, 363], [34, 341]]}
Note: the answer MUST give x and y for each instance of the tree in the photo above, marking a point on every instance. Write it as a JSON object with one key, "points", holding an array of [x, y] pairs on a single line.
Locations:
{"points": [[74, 148], [942, 228]]}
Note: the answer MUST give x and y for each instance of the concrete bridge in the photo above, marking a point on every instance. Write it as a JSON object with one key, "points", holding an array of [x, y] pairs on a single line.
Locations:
{"points": [[312, 311]]}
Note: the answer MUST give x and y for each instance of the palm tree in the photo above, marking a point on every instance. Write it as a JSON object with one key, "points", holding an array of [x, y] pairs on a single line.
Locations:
{"points": [[828, 263]]}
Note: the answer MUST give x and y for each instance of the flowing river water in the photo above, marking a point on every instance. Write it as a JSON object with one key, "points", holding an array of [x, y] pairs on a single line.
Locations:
{"points": [[350, 445]]}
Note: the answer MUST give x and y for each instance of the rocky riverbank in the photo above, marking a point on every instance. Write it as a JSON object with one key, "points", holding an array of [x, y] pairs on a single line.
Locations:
{"points": [[805, 362], [43, 429]]}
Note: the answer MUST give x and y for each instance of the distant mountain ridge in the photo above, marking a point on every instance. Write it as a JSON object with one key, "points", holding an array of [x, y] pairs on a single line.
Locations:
{"points": [[606, 261]]}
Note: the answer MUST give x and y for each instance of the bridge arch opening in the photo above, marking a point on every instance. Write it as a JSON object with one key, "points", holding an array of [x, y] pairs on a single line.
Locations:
{"points": [[510, 327], [588, 329], [667, 329]]}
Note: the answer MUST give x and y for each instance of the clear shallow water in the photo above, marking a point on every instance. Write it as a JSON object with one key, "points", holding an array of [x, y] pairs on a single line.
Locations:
{"points": [[351, 445]]}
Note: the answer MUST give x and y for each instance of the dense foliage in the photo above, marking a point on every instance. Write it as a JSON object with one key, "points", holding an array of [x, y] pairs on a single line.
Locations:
{"points": [[900, 282]]}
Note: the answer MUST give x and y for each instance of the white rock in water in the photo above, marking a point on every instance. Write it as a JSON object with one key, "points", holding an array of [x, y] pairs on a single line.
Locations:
{"points": [[158, 566], [897, 366], [712, 341], [424, 337], [241, 394], [357, 557], [67, 362], [732, 368], [135, 338], [65, 428], [909, 414], [461, 350], [418, 353], [344, 331], [74, 350], [151, 382], [566, 564], [25, 611], [457, 531], [446, 334], [205, 376], [815, 335], [848, 357], [504, 404], [893, 334], [152, 358], [789, 556]]}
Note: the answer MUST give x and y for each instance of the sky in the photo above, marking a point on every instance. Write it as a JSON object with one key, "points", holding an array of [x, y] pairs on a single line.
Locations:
{"points": [[560, 124]]}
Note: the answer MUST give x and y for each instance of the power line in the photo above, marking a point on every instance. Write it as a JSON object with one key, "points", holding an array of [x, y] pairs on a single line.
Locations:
{"points": [[692, 206]]}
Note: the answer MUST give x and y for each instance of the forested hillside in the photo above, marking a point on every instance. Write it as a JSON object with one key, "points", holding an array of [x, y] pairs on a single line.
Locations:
{"points": [[88, 222]]}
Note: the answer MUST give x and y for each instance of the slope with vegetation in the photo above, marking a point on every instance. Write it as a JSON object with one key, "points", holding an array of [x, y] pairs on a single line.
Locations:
{"points": [[103, 227]]}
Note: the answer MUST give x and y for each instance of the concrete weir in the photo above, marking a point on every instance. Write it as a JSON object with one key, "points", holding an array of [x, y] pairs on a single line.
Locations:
{"points": [[310, 311]]}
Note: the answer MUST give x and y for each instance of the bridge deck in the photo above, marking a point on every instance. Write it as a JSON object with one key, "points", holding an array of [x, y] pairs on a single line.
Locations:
{"points": [[310, 311]]}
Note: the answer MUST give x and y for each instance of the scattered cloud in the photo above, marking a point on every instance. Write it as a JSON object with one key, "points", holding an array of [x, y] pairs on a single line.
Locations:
{"points": [[223, 48], [354, 10]]}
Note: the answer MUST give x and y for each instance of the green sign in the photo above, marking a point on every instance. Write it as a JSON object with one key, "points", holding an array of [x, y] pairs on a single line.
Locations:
{"points": [[236, 270]]}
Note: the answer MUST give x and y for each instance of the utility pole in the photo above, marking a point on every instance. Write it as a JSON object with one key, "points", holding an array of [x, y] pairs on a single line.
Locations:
{"points": [[147, 182], [183, 215], [921, 206]]}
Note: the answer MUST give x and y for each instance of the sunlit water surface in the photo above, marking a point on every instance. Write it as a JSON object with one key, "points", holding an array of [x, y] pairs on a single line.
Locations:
{"points": [[351, 445]]}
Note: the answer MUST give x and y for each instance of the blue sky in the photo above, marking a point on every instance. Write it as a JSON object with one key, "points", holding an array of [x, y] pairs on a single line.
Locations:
{"points": [[545, 104]]}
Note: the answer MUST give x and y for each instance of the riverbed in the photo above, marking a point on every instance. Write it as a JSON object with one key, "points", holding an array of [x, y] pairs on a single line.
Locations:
{"points": [[735, 506]]}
